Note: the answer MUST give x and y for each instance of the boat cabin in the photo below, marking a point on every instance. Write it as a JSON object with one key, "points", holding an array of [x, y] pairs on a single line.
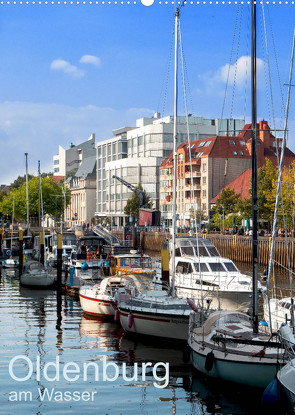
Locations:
{"points": [[131, 263], [197, 247]]}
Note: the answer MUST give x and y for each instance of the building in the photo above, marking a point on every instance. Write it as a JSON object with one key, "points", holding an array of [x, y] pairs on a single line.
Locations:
{"points": [[139, 153], [215, 163], [83, 189], [68, 161]]}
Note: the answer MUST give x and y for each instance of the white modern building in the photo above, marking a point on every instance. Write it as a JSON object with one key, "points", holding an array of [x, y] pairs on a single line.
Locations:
{"points": [[135, 154], [68, 161]]}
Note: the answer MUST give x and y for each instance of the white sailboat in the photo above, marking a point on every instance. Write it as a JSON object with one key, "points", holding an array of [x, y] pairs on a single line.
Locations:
{"points": [[160, 313], [230, 345], [11, 262], [35, 274]]}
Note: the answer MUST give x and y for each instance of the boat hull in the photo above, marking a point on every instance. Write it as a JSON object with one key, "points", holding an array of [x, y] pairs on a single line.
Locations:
{"points": [[153, 324], [286, 378], [37, 280], [246, 370], [97, 306]]}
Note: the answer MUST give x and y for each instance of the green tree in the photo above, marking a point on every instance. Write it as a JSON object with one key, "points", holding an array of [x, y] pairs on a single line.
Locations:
{"points": [[227, 201], [52, 195], [20, 180], [132, 205]]}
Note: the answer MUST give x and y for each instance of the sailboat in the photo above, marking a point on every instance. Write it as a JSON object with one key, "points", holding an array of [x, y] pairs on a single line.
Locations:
{"points": [[35, 274], [11, 262], [161, 313], [231, 345]]}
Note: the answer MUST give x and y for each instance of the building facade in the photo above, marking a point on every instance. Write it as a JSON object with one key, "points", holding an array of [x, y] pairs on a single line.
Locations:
{"points": [[136, 153], [209, 165], [68, 161]]}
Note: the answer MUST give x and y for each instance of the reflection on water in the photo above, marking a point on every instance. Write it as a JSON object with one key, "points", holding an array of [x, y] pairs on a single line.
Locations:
{"points": [[42, 325]]}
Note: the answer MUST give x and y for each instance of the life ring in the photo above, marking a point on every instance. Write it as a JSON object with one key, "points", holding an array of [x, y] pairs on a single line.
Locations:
{"points": [[209, 361], [8, 252]]}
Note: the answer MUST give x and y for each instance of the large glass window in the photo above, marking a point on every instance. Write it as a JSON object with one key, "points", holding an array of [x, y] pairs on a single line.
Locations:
{"points": [[200, 267], [216, 267]]}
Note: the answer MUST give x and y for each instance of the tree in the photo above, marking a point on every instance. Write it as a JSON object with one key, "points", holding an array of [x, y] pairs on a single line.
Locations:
{"points": [[20, 180], [132, 205], [227, 201], [52, 195]]}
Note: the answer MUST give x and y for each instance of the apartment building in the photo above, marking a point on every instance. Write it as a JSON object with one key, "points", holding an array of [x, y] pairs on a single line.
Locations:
{"points": [[136, 153], [68, 161], [209, 165]]}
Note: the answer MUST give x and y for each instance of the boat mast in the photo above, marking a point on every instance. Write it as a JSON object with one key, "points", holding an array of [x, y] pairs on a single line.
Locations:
{"points": [[27, 195], [12, 219], [254, 170], [175, 147]]}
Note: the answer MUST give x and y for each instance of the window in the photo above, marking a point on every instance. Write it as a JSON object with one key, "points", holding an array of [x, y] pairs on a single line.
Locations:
{"points": [[242, 143], [216, 266], [241, 153], [232, 142], [56, 162], [56, 170], [204, 193], [180, 157], [200, 267], [230, 266], [202, 143], [235, 153], [204, 206], [198, 155], [208, 143], [204, 180], [204, 167], [184, 268]]}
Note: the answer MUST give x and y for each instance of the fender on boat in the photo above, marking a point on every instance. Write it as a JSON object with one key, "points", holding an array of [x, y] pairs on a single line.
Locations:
{"points": [[272, 393], [209, 361], [192, 305], [117, 315], [130, 320]]}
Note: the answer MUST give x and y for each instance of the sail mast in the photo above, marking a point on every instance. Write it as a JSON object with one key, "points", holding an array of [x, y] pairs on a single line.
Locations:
{"points": [[27, 195], [254, 170], [175, 148]]}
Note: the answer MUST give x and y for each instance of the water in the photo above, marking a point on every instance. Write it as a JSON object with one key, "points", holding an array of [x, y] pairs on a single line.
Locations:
{"points": [[38, 325]]}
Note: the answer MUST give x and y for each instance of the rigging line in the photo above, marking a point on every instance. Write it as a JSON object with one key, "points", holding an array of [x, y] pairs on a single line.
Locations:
{"points": [[230, 61], [192, 192], [188, 84], [270, 81], [165, 80], [277, 66], [236, 64], [247, 54]]}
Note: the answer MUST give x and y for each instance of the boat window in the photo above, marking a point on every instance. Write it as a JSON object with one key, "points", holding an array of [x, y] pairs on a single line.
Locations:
{"points": [[216, 266], [124, 262], [200, 266], [212, 251], [188, 250], [184, 268], [230, 266], [135, 262], [288, 306], [201, 251]]}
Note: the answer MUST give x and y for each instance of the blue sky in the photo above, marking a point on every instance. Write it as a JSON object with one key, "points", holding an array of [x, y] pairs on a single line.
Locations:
{"points": [[71, 70]]}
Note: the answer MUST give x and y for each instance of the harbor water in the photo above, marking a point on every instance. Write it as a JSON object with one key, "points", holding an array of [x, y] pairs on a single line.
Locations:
{"points": [[55, 360]]}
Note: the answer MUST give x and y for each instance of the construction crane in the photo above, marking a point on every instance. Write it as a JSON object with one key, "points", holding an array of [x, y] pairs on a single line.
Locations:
{"points": [[138, 192]]}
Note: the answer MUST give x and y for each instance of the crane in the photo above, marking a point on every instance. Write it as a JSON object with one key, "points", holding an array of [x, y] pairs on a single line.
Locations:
{"points": [[138, 192]]}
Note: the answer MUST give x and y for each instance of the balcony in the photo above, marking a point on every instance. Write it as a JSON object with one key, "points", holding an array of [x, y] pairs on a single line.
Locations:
{"points": [[188, 174]]}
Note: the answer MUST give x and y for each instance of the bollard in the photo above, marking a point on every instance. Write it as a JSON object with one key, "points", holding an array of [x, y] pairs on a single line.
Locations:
{"points": [[20, 258], [165, 267]]}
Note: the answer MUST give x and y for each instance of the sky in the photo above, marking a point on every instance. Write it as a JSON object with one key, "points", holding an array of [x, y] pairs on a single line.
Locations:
{"points": [[70, 70]]}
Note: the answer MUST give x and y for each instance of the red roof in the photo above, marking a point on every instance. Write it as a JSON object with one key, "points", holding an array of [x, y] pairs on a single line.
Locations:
{"points": [[240, 185], [58, 179]]}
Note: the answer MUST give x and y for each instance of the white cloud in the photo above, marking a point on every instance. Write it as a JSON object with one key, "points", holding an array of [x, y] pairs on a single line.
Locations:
{"points": [[91, 59], [66, 67], [239, 71], [40, 128]]}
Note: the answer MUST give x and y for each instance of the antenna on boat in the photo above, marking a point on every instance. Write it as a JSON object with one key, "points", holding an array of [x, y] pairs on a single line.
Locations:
{"points": [[254, 170], [175, 146]]}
